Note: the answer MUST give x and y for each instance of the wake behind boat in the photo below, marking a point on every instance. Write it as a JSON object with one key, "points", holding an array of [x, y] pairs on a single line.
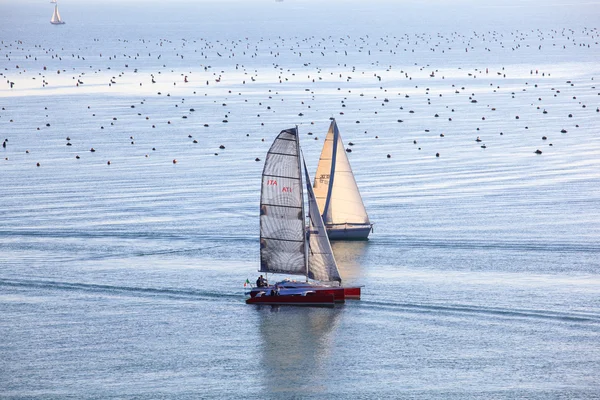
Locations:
{"points": [[339, 200], [287, 245], [56, 19]]}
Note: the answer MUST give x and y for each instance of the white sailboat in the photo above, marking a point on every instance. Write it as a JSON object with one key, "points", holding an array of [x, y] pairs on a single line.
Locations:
{"points": [[339, 200], [52, 1], [287, 244], [56, 20]]}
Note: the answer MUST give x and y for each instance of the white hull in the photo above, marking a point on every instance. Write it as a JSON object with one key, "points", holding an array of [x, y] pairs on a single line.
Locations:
{"points": [[348, 232]]}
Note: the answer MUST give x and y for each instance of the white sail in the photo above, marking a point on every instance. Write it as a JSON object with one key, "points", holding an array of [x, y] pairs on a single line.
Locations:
{"points": [[56, 17], [321, 262], [282, 231], [335, 187]]}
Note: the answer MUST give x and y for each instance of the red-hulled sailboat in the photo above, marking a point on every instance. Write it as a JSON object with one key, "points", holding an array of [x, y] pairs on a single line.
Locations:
{"points": [[287, 245]]}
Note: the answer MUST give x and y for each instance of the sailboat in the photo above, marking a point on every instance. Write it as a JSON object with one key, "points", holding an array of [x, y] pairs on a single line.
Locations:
{"points": [[287, 245], [339, 200], [56, 20]]}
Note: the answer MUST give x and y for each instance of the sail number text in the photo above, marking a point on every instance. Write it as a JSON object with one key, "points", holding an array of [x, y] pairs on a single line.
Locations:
{"points": [[324, 179], [284, 189]]}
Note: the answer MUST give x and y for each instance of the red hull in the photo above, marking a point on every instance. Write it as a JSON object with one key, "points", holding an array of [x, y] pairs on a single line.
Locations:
{"points": [[338, 293], [311, 299], [352, 293]]}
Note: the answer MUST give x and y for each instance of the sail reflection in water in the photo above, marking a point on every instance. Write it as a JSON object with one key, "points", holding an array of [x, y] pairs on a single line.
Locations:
{"points": [[350, 256], [297, 339]]}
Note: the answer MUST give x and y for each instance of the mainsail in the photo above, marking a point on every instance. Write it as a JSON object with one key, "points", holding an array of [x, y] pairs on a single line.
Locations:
{"points": [[335, 187], [282, 238], [56, 17], [283, 232]]}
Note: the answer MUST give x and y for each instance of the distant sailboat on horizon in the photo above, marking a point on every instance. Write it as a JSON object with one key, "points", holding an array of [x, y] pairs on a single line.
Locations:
{"points": [[56, 19], [52, 1]]}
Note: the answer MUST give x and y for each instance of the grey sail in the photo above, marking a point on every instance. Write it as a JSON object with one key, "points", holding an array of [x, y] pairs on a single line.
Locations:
{"points": [[282, 232], [321, 262]]}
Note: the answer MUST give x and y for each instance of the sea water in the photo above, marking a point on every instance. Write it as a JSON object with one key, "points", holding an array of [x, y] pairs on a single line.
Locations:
{"points": [[125, 280]]}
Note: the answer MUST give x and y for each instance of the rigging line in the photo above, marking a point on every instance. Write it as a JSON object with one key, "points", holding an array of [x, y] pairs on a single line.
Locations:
{"points": [[284, 177], [280, 205], [281, 154]]}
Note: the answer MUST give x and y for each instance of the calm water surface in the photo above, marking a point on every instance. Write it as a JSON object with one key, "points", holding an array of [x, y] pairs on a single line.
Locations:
{"points": [[126, 280]]}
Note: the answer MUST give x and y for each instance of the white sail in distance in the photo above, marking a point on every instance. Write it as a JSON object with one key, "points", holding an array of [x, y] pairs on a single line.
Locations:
{"points": [[335, 188], [56, 20]]}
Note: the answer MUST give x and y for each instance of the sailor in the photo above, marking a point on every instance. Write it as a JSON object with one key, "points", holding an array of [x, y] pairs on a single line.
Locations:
{"points": [[260, 282]]}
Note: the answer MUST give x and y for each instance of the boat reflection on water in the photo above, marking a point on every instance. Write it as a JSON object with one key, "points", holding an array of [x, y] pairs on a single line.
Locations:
{"points": [[349, 256], [297, 344]]}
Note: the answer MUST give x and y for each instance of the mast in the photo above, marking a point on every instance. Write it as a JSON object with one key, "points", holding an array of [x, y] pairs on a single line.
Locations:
{"points": [[336, 134], [306, 231]]}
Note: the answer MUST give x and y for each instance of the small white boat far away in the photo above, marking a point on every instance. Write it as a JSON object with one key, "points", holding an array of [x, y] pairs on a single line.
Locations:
{"points": [[56, 19]]}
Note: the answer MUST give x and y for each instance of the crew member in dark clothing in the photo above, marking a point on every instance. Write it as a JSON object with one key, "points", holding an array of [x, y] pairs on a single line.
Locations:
{"points": [[260, 282]]}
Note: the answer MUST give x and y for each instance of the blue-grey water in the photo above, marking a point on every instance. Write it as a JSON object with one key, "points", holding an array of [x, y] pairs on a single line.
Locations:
{"points": [[125, 280]]}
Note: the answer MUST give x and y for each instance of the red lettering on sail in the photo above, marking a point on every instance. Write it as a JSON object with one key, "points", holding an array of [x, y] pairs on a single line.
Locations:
{"points": [[272, 182], [286, 189]]}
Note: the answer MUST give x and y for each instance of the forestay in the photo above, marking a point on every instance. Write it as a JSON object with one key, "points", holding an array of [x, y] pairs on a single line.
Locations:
{"points": [[321, 262]]}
